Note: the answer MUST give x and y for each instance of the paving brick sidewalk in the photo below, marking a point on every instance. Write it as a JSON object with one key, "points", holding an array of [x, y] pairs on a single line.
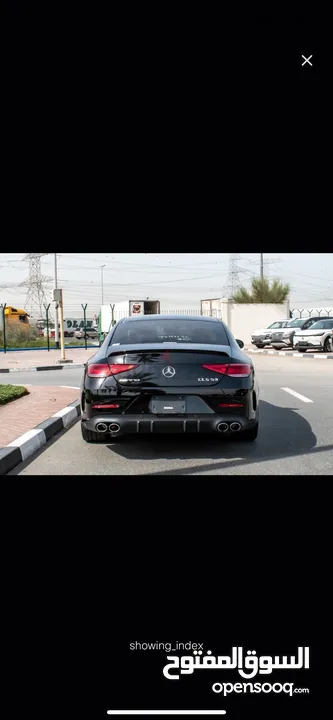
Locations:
{"points": [[24, 414], [39, 358]]}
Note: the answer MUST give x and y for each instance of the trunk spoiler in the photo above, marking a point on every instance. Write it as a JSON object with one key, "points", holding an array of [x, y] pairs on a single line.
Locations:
{"points": [[162, 347]]}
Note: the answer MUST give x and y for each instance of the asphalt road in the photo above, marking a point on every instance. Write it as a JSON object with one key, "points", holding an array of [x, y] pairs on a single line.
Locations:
{"points": [[70, 378], [295, 437]]}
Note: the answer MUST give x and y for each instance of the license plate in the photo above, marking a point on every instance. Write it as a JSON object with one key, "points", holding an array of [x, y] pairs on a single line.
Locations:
{"points": [[168, 406]]}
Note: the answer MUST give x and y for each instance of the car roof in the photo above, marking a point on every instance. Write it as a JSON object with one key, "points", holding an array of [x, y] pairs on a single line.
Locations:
{"points": [[324, 319], [137, 318], [313, 317]]}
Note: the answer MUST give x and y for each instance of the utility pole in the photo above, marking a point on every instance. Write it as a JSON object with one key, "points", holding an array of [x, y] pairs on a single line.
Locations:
{"points": [[62, 337], [102, 266], [261, 266], [58, 298], [35, 297], [233, 282], [56, 335]]}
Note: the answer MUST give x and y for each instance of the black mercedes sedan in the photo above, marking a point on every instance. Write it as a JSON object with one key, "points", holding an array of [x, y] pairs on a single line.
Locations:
{"points": [[169, 374]]}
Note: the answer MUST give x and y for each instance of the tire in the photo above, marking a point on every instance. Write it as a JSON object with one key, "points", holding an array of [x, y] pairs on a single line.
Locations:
{"points": [[327, 346], [249, 435], [259, 346], [301, 350], [90, 436]]}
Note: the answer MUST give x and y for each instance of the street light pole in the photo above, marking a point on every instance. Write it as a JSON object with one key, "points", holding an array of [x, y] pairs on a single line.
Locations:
{"points": [[56, 335], [261, 266], [102, 266]]}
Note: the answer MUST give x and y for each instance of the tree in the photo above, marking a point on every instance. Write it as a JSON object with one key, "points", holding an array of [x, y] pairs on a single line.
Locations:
{"points": [[262, 291]]}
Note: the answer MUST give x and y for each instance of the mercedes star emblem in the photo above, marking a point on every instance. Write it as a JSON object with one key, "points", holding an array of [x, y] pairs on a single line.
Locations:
{"points": [[169, 372]]}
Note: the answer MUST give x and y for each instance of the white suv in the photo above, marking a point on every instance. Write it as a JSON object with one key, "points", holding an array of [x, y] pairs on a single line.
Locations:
{"points": [[285, 338], [318, 337], [263, 337]]}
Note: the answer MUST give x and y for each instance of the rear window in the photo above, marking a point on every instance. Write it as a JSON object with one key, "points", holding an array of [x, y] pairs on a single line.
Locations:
{"points": [[166, 331]]}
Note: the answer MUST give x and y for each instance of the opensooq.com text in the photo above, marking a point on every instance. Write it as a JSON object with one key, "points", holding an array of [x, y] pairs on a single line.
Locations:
{"points": [[288, 688]]}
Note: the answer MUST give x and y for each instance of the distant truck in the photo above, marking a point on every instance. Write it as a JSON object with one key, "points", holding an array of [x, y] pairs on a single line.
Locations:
{"points": [[110, 314], [71, 326], [15, 318]]}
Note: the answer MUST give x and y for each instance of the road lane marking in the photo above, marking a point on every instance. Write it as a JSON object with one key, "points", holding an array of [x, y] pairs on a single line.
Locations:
{"points": [[297, 395], [70, 387]]}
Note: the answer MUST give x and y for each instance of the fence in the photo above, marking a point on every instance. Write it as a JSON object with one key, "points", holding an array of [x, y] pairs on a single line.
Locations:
{"points": [[120, 314], [312, 312], [80, 331]]}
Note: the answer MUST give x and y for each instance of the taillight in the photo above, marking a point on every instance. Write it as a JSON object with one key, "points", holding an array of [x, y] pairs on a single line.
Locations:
{"points": [[107, 370], [98, 370], [116, 369], [217, 368], [236, 370]]}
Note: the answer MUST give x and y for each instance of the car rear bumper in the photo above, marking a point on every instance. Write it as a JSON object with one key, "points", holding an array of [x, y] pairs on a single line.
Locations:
{"points": [[151, 424]]}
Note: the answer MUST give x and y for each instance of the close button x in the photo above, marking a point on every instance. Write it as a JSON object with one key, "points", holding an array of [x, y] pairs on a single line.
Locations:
{"points": [[307, 60]]}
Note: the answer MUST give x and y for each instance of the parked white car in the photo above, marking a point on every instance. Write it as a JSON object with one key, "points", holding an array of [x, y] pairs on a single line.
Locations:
{"points": [[263, 337], [89, 331], [318, 337]]}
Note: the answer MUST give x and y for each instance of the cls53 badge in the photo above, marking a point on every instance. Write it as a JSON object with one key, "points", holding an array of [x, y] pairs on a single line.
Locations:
{"points": [[208, 379]]}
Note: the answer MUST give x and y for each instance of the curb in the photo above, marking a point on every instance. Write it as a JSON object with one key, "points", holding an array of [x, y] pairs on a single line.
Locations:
{"points": [[73, 366], [24, 446], [291, 354]]}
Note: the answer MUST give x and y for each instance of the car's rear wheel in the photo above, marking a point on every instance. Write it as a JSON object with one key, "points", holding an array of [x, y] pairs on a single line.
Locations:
{"points": [[259, 346], [90, 436], [327, 345], [249, 435], [301, 350]]}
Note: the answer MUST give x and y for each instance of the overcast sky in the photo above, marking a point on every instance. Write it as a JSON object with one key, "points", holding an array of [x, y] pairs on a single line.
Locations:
{"points": [[179, 280]]}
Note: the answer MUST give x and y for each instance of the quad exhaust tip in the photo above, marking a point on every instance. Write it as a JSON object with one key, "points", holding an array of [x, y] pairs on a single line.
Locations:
{"points": [[235, 427], [223, 427], [114, 428], [101, 427]]}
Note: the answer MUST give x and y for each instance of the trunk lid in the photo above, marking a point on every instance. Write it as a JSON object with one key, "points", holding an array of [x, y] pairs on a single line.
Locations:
{"points": [[169, 365]]}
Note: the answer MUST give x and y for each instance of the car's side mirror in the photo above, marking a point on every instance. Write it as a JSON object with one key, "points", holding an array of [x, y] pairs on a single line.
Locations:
{"points": [[240, 343]]}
